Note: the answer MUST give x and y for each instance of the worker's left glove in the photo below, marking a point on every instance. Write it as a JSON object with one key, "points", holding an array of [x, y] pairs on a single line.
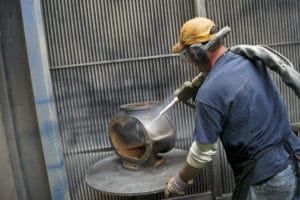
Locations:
{"points": [[176, 186]]}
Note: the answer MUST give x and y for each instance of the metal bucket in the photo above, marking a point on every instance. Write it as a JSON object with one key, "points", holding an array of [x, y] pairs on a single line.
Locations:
{"points": [[137, 139]]}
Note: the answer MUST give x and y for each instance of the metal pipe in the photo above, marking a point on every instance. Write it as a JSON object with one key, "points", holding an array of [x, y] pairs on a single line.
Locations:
{"points": [[200, 8]]}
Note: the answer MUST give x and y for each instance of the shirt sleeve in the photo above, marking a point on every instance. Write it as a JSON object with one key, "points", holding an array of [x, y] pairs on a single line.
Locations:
{"points": [[209, 123], [200, 154]]}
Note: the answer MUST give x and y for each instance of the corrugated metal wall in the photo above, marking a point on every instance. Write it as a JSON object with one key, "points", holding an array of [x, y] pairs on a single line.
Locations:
{"points": [[107, 53], [111, 52]]}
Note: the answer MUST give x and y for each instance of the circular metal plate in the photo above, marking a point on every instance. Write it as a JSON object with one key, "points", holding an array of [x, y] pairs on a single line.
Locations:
{"points": [[109, 176]]}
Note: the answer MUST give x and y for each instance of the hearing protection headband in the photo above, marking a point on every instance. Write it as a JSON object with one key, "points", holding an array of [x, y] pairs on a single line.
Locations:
{"points": [[197, 52]]}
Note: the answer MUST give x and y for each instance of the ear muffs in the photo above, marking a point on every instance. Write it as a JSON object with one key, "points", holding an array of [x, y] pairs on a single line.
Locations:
{"points": [[198, 51]]}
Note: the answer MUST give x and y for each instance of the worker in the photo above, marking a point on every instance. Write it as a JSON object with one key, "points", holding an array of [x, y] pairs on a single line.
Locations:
{"points": [[238, 103]]}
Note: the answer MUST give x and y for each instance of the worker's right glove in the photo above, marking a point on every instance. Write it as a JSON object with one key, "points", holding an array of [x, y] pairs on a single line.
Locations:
{"points": [[186, 91], [189, 89]]}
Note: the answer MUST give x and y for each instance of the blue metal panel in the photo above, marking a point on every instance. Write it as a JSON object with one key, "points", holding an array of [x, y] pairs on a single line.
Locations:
{"points": [[43, 95]]}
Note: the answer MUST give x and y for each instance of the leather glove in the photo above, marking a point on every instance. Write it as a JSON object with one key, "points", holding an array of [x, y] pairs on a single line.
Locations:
{"points": [[189, 89], [176, 186], [186, 91]]}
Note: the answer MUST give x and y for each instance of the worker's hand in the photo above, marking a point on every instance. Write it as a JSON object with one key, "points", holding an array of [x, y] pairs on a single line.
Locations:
{"points": [[186, 91], [176, 186]]}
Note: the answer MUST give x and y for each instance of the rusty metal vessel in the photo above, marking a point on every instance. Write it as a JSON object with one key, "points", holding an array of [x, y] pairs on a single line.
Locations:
{"points": [[137, 138]]}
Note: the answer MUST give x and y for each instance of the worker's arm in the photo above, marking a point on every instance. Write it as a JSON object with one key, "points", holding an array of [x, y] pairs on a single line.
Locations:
{"points": [[199, 155]]}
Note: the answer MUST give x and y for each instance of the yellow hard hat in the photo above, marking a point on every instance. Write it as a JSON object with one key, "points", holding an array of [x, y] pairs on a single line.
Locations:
{"points": [[193, 31]]}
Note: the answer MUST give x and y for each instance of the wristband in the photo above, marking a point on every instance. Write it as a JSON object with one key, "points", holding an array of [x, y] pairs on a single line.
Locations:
{"points": [[179, 183]]}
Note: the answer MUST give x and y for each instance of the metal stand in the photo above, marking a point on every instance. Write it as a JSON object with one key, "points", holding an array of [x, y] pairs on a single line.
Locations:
{"points": [[110, 177]]}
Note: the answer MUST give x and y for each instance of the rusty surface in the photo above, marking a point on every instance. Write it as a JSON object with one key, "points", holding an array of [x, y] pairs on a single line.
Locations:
{"points": [[137, 139]]}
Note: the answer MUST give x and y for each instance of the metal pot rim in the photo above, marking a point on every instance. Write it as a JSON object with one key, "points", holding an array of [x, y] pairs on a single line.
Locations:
{"points": [[140, 105]]}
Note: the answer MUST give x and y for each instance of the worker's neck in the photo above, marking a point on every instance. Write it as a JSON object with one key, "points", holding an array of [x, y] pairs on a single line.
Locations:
{"points": [[214, 56]]}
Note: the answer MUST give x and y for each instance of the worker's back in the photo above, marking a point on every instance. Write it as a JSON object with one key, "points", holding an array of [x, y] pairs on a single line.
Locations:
{"points": [[253, 114]]}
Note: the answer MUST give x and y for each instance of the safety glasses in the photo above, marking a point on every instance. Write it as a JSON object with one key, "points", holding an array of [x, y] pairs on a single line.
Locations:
{"points": [[185, 54]]}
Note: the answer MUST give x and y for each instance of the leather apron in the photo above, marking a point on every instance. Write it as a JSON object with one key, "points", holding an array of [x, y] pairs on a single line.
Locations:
{"points": [[244, 167]]}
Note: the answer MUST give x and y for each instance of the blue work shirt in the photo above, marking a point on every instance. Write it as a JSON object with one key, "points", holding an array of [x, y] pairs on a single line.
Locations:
{"points": [[239, 103]]}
